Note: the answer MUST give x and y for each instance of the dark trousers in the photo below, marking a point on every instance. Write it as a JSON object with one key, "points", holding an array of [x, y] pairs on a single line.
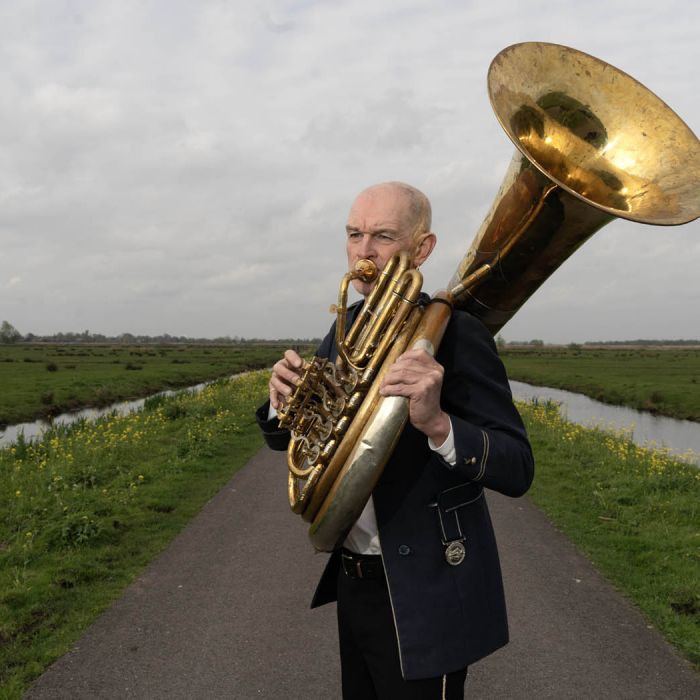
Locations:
{"points": [[369, 651]]}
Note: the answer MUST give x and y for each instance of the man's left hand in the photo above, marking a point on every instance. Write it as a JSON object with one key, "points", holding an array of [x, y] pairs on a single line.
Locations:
{"points": [[418, 376]]}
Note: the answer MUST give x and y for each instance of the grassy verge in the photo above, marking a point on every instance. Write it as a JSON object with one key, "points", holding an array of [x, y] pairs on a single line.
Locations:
{"points": [[84, 510], [634, 512], [43, 380], [663, 381]]}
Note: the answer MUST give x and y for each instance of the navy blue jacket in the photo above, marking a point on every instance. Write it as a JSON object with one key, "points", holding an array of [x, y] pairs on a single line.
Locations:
{"points": [[446, 617]]}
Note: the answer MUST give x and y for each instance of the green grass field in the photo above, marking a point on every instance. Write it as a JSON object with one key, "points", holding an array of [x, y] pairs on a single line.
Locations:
{"points": [[659, 380], [634, 512], [86, 508], [43, 380]]}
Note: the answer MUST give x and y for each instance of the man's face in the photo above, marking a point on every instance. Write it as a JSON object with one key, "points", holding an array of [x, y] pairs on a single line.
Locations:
{"points": [[378, 228]]}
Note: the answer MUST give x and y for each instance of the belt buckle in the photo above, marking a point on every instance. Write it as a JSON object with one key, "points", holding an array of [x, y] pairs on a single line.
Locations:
{"points": [[358, 568], [352, 566]]}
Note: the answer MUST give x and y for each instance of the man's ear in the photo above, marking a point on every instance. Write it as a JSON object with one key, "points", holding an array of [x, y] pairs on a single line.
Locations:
{"points": [[424, 247]]}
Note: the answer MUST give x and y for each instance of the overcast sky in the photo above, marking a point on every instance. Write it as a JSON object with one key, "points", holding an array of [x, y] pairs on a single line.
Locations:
{"points": [[187, 167]]}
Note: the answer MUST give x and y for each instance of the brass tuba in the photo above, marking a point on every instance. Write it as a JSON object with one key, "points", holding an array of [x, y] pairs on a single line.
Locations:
{"points": [[592, 144]]}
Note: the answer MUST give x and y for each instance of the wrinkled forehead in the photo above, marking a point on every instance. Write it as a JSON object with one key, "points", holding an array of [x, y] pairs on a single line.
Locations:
{"points": [[381, 206]]}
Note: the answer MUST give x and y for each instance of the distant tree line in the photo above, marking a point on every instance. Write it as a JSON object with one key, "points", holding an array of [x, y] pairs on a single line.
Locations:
{"points": [[9, 334], [537, 343], [501, 342], [642, 342]]}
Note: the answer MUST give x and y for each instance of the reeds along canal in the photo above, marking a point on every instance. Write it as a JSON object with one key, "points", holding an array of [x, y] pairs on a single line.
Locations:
{"points": [[680, 437], [32, 430]]}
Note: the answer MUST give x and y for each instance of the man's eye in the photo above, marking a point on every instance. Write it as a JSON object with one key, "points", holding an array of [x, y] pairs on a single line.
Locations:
{"points": [[385, 237], [354, 235]]}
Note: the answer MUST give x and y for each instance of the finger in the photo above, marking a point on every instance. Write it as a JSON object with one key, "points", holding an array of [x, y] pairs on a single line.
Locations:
{"points": [[285, 373], [274, 400], [397, 389], [281, 386], [420, 358], [399, 377], [413, 367], [414, 373], [418, 354], [414, 392], [293, 358]]}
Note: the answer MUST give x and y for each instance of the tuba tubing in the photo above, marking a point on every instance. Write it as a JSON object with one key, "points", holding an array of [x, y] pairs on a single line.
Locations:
{"points": [[356, 480], [592, 145]]}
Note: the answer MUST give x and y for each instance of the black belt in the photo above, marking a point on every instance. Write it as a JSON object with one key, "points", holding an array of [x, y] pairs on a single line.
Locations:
{"points": [[361, 566]]}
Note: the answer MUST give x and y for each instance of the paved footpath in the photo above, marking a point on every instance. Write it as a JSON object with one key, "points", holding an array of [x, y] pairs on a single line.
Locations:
{"points": [[223, 613]]}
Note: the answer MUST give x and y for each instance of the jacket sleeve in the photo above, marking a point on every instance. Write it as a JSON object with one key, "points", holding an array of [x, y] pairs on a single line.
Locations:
{"points": [[275, 437], [491, 443]]}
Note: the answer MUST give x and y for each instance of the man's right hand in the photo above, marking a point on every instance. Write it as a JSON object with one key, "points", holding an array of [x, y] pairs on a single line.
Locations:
{"points": [[285, 375]]}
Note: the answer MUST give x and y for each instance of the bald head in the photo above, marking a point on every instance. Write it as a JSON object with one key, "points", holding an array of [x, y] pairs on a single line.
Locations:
{"points": [[416, 206]]}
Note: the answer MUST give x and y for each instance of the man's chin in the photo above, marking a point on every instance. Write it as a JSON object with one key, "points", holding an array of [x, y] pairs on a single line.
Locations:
{"points": [[362, 288]]}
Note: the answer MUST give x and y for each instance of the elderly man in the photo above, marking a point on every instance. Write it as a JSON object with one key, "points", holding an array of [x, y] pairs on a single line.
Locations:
{"points": [[417, 582]]}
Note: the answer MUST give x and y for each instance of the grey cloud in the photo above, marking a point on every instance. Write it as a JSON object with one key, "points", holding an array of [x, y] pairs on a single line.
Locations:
{"points": [[395, 121], [188, 169]]}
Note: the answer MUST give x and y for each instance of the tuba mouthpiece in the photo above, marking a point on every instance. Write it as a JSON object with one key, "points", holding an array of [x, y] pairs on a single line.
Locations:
{"points": [[365, 270]]}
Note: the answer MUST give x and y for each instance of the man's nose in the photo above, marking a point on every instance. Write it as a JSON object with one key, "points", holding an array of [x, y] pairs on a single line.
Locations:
{"points": [[367, 248]]}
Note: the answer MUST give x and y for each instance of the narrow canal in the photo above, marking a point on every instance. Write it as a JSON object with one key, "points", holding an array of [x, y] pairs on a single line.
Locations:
{"points": [[645, 429], [34, 429]]}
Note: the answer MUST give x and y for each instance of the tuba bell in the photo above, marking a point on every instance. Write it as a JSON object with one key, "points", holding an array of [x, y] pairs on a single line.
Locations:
{"points": [[592, 145]]}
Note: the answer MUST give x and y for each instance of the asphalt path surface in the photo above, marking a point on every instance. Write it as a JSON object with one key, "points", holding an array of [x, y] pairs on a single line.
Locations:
{"points": [[223, 613]]}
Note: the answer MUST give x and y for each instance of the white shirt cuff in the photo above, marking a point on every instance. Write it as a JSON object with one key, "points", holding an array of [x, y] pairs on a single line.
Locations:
{"points": [[271, 413], [447, 450]]}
